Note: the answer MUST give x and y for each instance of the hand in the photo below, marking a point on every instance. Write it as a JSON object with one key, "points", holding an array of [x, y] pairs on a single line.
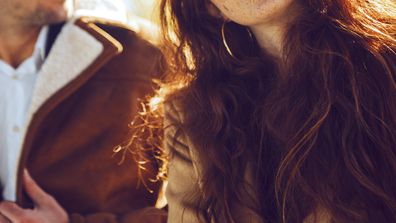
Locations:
{"points": [[3, 219], [46, 210]]}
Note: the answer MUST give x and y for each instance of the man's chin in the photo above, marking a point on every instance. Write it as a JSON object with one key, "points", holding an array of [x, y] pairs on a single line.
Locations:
{"points": [[60, 16], [53, 16]]}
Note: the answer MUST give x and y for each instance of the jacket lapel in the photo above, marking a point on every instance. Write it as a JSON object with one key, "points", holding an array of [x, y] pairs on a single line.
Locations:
{"points": [[53, 33], [73, 51], [79, 51]]}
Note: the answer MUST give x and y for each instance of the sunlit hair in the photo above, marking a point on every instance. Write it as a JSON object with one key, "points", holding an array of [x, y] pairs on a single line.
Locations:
{"points": [[319, 134]]}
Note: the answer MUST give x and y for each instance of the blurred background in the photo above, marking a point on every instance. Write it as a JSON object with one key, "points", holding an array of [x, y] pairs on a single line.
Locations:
{"points": [[143, 8], [124, 10], [140, 15]]}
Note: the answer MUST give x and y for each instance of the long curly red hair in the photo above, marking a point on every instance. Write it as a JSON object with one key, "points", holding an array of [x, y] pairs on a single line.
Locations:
{"points": [[319, 134]]}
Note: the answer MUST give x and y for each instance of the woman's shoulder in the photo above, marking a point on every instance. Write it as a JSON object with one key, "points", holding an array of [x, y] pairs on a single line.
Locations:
{"points": [[173, 110]]}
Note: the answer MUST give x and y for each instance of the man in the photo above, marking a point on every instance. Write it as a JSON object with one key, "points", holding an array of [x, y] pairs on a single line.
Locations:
{"points": [[67, 93]]}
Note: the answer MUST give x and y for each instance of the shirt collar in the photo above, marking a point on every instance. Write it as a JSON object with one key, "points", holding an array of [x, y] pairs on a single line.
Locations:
{"points": [[39, 48]]}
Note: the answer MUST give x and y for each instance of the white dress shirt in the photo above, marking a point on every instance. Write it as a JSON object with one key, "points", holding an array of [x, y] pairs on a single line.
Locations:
{"points": [[16, 90]]}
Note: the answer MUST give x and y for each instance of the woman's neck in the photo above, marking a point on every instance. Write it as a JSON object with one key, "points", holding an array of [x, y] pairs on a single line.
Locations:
{"points": [[270, 34], [270, 38]]}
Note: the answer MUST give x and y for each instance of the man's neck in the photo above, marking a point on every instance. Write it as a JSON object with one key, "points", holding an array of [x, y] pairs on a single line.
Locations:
{"points": [[17, 42]]}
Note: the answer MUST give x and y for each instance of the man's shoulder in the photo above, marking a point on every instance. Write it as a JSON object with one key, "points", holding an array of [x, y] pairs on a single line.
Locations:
{"points": [[137, 54], [126, 34]]}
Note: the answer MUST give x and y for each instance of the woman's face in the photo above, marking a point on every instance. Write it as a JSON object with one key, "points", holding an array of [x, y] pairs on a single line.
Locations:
{"points": [[254, 12]]}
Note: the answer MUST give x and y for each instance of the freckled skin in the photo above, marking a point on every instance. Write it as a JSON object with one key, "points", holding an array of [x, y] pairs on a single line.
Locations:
{"points": [[253, 12]]}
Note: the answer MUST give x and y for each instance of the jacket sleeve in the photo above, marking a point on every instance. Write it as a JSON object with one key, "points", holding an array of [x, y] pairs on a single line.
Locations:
{"points": [[146, 215], [183, 189]]}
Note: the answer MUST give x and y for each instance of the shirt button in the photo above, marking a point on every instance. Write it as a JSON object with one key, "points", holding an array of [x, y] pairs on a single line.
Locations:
{"points": [[16, 129], [15, 77]]}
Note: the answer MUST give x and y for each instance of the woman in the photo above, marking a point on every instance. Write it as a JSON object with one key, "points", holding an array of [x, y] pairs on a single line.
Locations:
{"points": [[280, 111]]}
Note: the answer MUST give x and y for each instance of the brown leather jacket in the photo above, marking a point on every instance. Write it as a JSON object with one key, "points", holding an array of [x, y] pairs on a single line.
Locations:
{"points": [[88, 94]]}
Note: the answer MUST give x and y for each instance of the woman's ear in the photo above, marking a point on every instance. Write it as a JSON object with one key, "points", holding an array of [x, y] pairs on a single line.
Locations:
{"points": [[214, 11]]}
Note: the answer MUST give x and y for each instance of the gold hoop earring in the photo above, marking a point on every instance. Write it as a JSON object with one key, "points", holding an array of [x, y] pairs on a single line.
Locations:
{"points": [[225, 43]]}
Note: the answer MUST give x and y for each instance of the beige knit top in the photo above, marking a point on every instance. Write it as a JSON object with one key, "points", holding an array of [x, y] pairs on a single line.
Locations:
{"points": [[185, 174]]}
